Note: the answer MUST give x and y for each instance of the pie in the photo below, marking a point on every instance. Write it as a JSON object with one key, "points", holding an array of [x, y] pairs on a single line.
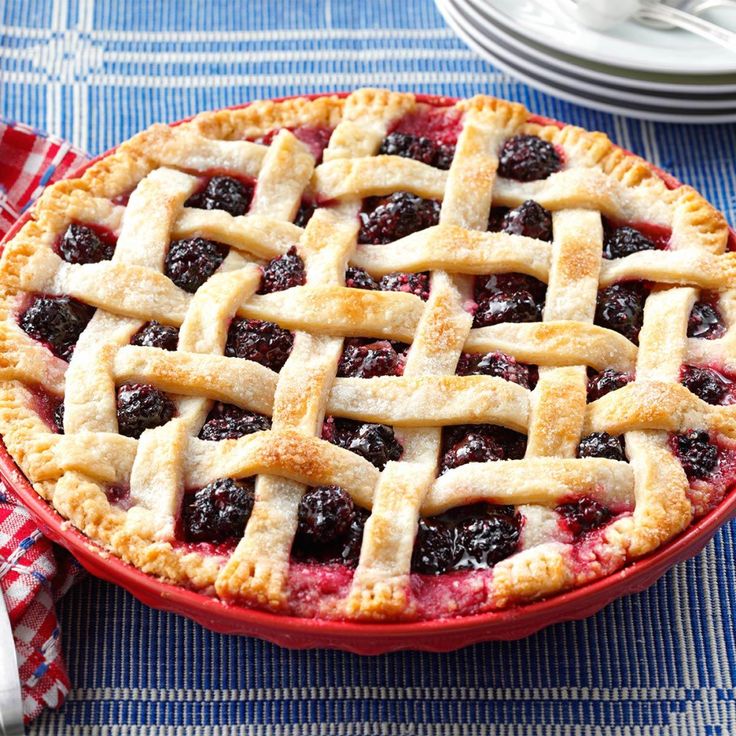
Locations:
{"points": [[372, 358]]}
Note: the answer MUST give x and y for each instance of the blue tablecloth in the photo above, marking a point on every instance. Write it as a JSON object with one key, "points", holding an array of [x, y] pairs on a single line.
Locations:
{"points": [[661, 662]]}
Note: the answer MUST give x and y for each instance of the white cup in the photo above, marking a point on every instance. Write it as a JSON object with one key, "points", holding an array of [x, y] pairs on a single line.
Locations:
{"points": [[599, 14]]}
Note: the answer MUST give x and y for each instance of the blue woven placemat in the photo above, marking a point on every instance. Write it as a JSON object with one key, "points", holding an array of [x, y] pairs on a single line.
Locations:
{"points": [[660, 662]]}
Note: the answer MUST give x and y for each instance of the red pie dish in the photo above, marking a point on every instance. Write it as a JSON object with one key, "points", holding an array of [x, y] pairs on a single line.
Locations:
{"points": [[372, 371]]}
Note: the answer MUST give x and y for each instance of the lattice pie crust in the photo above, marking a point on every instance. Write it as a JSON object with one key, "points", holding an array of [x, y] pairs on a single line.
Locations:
{"points": [[158, 171]]}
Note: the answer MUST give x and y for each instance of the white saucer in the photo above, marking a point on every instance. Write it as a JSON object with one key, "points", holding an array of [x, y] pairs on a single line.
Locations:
{"points": [[567, 74], [630, 45], [530, 72], [625, 79]]}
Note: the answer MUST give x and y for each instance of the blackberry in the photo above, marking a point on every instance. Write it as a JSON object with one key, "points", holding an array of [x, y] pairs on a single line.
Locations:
{"points": [[479, 443], [620, 308], [529, 219], [510, 297], [228, 422], [705, 322], [219, 511], [141, 407], [375, 442], [495, 219], [495, 364], [349, 547], [357, 278], [411, 283], [600, 384], [528, 158], [584, 515], [419, 148], [155, 335], [466, 537], [59, 418], [325, 515], [625, 240], [601, 444], [434, 548], [283, 273], [343, 549], [484, 541], [705, 383], [304, 213], [367, 359], [81, 244], [190, 262], [386, 219], [698, 455], [223, 193], [57, 321], [262, 342]]}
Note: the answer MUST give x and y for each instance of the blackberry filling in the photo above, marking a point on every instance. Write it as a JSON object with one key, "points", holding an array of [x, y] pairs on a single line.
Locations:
{"points": [[705, 322], [411, 283], [357, 278], [141, 407], [466, 538], [118, 495], [228, 422], [218, 512], [325, 515], [623, 241], [584, 515], [189, 263], [81, 244], [435, 551], [602, 444], [349, 551], [698, 455], [375, 442], [386, 219], [496, 364], [529, 219], [418, 148], [607, 380], [223, 193], [304, 213], [283, 273], [330, 527], [511, 297], [365, 358], [705, 383], [495, 219], [487, 540], [59, 418], [528, 158], [479, 443], [57, 321], [620, 308], [262, 342], [155, 335]]}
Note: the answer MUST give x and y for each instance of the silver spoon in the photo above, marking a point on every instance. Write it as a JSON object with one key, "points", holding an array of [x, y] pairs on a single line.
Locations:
{"points": [[663, 17], [602, 15], [694, 7]]}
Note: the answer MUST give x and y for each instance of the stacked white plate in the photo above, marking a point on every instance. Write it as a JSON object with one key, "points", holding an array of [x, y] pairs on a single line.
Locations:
{"points": [[633, 70]]}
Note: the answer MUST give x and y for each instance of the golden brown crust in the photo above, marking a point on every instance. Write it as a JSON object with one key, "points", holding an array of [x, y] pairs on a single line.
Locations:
{"points": [[158, 170]]}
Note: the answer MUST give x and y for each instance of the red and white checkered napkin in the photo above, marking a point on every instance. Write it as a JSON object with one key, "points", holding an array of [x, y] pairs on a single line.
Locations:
{"points": [[33, 572]]}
